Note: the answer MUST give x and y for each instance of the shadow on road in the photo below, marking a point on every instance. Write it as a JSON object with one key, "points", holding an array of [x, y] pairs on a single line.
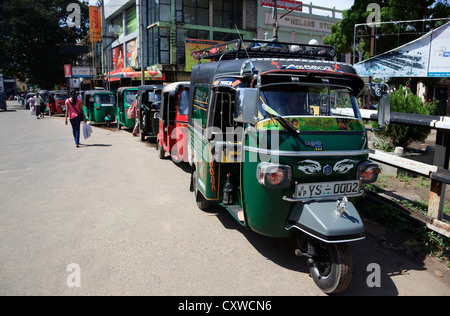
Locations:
{"points": [[372, 250], [95, 145]]}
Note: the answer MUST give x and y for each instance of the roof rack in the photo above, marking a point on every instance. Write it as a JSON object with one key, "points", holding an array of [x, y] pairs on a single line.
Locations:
{"points": [[238, 49]]}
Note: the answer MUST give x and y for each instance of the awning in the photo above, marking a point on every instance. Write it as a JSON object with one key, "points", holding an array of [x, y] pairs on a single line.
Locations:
{"points": [[129, 73]]}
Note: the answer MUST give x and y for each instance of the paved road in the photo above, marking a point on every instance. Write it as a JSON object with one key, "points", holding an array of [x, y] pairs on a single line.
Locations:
{"points": [[129, 224]]}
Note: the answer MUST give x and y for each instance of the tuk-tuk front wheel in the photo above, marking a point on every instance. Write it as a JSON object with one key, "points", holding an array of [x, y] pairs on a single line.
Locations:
{"points": [[330, 265]]}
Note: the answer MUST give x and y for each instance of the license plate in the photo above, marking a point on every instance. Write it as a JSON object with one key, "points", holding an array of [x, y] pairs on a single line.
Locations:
{"points": [[326, 189]]}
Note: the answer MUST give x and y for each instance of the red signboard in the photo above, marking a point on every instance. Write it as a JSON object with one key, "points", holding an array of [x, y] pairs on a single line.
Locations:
{"points": [[284, 4], [67, 70]]}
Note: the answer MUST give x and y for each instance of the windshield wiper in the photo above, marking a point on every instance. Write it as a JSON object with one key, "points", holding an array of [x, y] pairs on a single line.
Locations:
{"points": [[291, 128], [275, 115]]}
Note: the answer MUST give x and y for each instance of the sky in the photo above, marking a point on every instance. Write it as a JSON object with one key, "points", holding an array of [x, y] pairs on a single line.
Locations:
{"points": [[340, 5]]}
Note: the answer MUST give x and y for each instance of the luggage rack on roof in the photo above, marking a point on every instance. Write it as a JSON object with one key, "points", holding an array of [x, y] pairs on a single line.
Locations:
{"points": [[238, 49]]}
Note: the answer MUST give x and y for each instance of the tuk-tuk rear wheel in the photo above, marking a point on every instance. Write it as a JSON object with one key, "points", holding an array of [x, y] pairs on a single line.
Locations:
{"points": [[202, 203], [142, 126], [330, 266], [160, 149]]}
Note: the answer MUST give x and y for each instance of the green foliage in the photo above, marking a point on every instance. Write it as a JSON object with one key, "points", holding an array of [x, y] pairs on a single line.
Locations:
{"points": [[388, 35], [404, 101], [30, 32]]}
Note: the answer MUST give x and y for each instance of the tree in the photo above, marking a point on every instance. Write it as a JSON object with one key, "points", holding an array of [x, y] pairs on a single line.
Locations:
{"points": [[404, 101], [388, 36], [30, 32]]}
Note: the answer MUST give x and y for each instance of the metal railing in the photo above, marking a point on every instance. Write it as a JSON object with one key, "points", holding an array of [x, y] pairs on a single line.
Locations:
{"points": [[439, 176]]}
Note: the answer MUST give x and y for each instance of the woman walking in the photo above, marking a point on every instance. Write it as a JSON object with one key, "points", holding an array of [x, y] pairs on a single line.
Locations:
{"points": [[75, 114]]}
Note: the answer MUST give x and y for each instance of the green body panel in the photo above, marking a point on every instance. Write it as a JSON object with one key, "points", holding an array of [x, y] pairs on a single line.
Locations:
{"points": [[212, 174], [265, 210], [122, 118], [96, 113]]}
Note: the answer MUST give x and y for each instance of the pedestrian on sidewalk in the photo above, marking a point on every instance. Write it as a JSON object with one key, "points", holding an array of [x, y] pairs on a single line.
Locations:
{"points": [[75, 114], [31, 104], [133, 112], [37, 105]]}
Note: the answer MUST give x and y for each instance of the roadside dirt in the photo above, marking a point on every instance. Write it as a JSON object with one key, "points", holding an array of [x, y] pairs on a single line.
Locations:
{"points": [[412, 192]]}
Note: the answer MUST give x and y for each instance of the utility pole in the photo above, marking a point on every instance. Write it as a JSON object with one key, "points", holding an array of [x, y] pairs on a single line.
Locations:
{"points": [[141, 40], [275, 20]]}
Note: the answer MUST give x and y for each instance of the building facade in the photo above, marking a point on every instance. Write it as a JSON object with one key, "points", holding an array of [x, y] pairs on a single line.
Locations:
{"points": [[170, 30]]}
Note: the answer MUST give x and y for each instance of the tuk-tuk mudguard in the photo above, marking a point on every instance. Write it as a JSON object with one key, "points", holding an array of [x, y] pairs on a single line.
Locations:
{"points": [[321, 220]]}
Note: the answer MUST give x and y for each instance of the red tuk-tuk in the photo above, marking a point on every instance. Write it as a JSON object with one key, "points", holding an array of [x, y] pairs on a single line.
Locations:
{"points": [[173, 117], [59, 106]]}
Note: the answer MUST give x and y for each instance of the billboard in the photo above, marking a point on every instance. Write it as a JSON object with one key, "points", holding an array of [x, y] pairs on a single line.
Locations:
{"points": [[118, 59], [284, 4], [81, 72], [132, 54], [67, 70], [95, 24], [427, 56], [193, 45], [440, 53]]}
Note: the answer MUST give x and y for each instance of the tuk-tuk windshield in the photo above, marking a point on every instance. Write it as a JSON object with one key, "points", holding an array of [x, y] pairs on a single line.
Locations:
{"points": [[105, 99], [60, 96], [157, 98], [183, 105], [300, 100], [130, 97]]}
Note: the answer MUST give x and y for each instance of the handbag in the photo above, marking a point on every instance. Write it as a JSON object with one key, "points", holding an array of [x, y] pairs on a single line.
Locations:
{"points": [[80, 115]]}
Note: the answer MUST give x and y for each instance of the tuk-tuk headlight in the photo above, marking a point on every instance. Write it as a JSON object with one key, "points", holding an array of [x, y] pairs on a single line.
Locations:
{"points": [[368, 172], [274, 175]]}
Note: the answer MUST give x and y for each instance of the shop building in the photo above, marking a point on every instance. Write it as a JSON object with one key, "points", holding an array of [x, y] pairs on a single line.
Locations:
{"points": [[170, 30]]}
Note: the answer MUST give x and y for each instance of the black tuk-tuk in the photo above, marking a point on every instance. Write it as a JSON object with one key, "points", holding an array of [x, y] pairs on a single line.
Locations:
{"points": [[149, 101]]}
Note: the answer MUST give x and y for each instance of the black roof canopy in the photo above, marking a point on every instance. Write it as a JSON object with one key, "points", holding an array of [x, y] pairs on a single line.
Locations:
{"points": [[306, 70]]}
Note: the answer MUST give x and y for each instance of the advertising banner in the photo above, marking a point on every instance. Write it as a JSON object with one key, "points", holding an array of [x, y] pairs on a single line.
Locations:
{"points": [[95, 24], [193, 45], [81, 72], [284, 4], [132, 54], [117, 57], [440, 53], [427, 56], [67, 70]]}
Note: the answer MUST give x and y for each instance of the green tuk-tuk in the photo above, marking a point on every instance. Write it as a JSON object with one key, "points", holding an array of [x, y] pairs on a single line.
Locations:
{"points": [[99, 106], [277, 139], [125, 97]]}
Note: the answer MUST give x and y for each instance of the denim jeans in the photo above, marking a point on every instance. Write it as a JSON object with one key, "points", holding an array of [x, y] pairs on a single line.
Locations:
{"points": [[75, 122]]}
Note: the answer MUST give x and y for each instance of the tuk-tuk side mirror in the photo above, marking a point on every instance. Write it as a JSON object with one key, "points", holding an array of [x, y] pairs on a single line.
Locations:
{"points": [[384, 110], [246, 105], [381, 91], [151, 97]]}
